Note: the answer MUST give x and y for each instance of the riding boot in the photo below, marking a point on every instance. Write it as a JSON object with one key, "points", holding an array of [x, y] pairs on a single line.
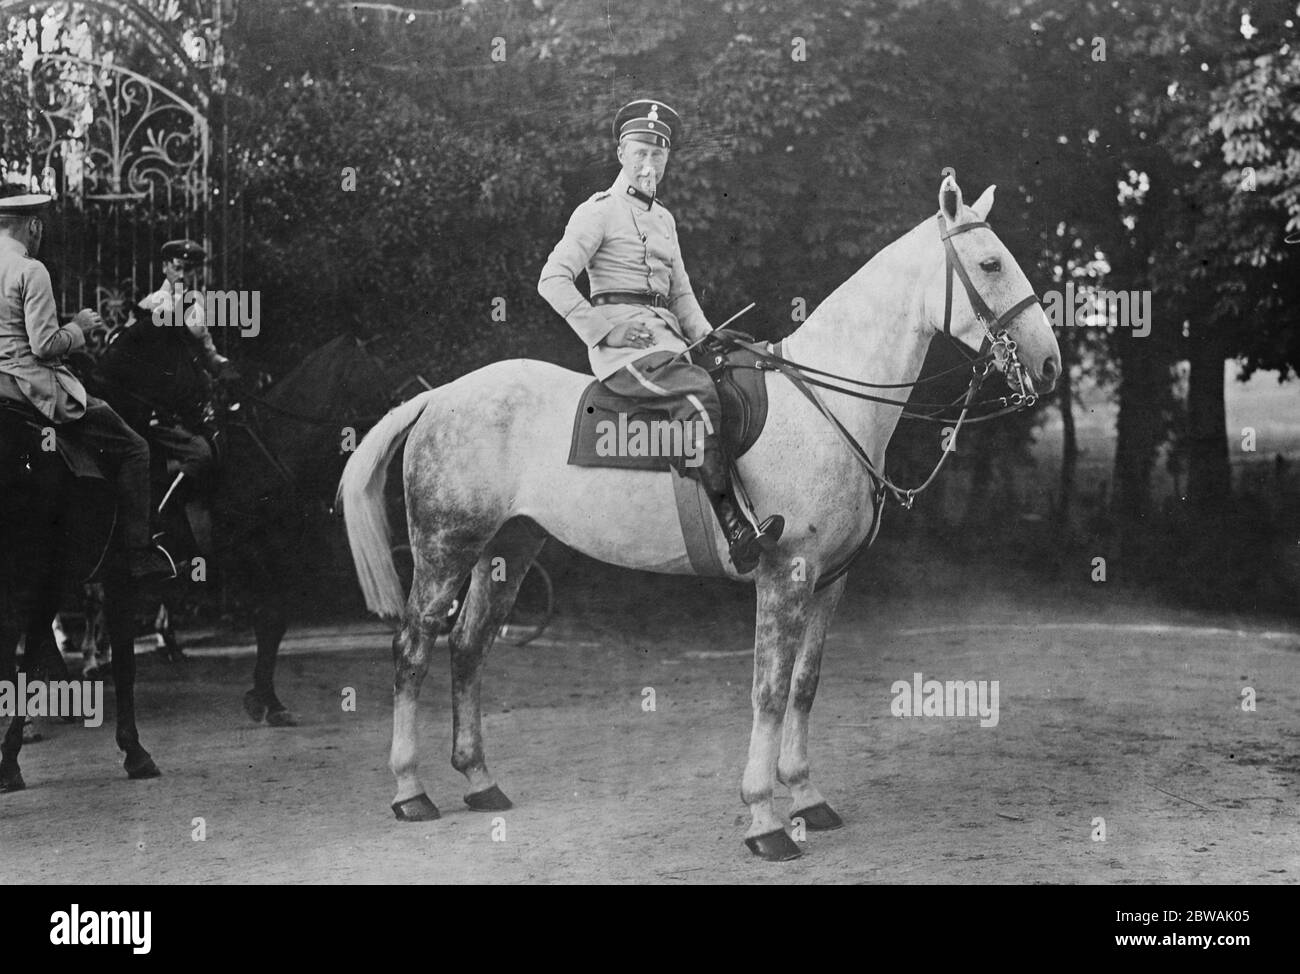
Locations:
{"points": [[745, 543]]}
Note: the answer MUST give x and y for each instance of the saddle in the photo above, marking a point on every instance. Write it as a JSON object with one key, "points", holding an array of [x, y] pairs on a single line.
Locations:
{"points": [[57, 508], [22, 434], [742, 391]]}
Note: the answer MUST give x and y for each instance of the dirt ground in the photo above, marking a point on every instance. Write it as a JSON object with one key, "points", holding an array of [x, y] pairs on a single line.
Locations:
{"points": [[1129, 714]]}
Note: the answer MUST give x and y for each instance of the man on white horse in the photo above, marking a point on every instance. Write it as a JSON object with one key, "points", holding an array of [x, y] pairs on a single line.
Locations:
{"points": [[642, 310]]}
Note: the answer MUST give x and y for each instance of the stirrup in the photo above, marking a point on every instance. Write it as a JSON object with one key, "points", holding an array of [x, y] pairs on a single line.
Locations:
{"points": [[745, 551], [770, 531]]}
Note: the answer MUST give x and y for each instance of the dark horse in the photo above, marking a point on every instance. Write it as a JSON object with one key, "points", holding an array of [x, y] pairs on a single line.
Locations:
{"points": [[57, 520], [279, 454]]}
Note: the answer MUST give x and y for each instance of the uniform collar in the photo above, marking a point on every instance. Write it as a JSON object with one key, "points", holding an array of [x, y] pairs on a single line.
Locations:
{"points": [[9, 243], [623, 189]]}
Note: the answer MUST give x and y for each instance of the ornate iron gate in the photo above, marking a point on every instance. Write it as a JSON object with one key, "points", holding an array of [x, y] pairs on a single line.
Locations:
{"points": [[127, 160]]}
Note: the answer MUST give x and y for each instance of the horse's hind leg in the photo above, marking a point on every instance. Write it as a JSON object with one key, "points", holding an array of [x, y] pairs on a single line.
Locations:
{"points": [[497, 577], [793, 768], [94, 640], [169, 647], [11, 778], [21, 608], [440, 567], [41, 657], [119, 620], [270, 623]]}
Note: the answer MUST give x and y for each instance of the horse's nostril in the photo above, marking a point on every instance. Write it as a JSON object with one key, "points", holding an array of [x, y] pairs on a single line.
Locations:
{"points": [[1049, 369]]}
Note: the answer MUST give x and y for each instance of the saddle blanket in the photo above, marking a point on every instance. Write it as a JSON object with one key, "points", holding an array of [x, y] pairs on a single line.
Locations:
{"points": [[23, 437], [647, 439], [610, 430]]}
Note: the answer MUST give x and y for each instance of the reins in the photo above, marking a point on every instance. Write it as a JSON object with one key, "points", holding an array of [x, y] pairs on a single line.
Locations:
{"points": [[795, 373], [996, 343]]}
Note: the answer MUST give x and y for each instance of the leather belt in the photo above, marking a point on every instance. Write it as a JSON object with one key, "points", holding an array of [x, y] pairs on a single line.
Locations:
{"points": [[652, 298]]}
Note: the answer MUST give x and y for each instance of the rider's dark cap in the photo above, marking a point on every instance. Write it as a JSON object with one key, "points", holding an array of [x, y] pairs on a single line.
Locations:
{"points": [[186, 251], [647, 120], [25, 204]]}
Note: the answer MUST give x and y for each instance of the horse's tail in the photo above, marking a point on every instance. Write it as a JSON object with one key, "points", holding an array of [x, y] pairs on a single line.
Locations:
{"points": [[361, 494]]}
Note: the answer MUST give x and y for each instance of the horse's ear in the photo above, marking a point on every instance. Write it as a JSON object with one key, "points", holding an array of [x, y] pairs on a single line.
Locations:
{"points": [[950, 196], [982, 205]]}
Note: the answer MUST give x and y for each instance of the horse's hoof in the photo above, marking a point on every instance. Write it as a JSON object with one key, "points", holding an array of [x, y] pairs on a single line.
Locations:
{"points": [[281, 718], [254, 706], [774, 846], [818, 818], [489, 800], [11, 779], [417, 809], [139, 766]]}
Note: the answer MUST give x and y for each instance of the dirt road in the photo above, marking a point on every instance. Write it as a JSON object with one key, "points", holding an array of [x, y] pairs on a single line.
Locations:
{"points": [[1133, 716]]}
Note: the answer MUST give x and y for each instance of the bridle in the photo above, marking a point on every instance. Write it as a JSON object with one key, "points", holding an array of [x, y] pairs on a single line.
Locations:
{"points": [[995, 326], [997, 348]]}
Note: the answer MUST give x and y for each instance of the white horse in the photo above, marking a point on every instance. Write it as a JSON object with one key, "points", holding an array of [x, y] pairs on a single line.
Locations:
{"points": [[486, 475]]}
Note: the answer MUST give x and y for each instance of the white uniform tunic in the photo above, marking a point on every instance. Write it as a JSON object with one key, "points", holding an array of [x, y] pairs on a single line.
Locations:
{"points": [[624, 245]]}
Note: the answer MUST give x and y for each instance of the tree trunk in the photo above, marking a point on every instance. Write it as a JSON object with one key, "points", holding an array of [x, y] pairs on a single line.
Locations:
{"points": [[1143, 396], [1069, 436], [1209, 478]]}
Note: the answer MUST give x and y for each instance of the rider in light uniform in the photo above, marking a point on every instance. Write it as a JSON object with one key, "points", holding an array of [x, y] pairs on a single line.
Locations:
{"points": [[33, 349], [643, 311]]}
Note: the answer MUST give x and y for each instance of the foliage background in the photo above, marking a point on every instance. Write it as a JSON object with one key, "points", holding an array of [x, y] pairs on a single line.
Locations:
{"points": [[1127, 170]]}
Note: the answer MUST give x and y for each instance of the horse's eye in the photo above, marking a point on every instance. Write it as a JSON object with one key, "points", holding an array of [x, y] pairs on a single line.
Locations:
{"points": [[992, 265]]}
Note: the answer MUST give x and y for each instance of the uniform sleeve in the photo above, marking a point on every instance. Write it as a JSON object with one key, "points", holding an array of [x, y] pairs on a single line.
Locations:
{"points": [[582, 238], [681, 298], [49, 341], [213, 361]]}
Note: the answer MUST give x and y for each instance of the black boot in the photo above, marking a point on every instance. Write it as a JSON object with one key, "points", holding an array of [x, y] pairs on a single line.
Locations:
{"points": [[745, 543]]}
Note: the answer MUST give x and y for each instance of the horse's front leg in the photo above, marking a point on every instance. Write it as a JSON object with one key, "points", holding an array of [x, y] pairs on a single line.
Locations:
{"points": [[781, 620], [793, 768], [265, 572]]}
